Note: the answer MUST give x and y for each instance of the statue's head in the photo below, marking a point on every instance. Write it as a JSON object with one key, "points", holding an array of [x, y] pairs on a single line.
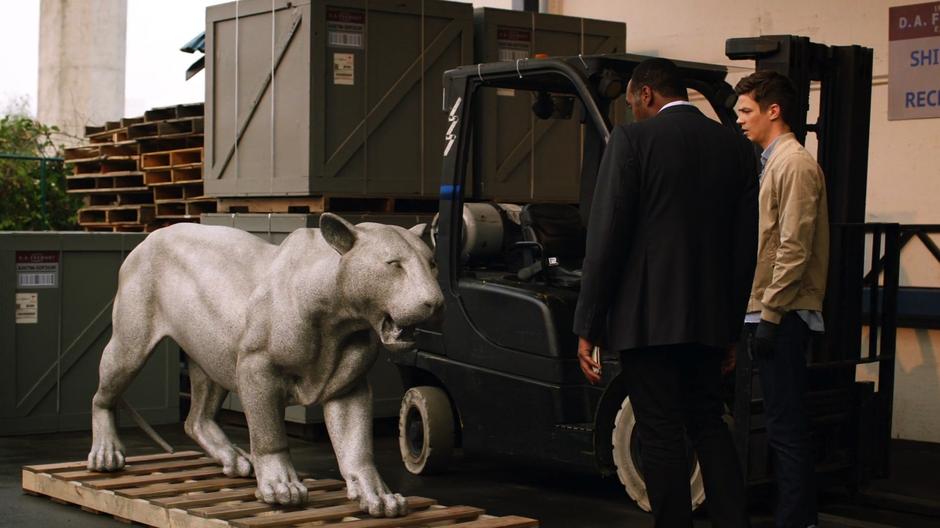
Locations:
{"points": [[387, 275]]}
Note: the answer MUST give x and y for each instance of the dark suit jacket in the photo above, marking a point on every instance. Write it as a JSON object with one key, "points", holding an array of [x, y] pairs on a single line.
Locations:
{"points": [[672, 236]]}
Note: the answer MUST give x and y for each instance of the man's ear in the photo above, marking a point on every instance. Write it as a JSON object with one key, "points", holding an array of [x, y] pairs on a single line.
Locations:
{"points": [[419, 229], [773, 111], [646, 95], [337, 232]]}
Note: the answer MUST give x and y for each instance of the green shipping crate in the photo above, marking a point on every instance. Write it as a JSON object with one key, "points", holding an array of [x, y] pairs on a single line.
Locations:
{"points": [[56, 294]]}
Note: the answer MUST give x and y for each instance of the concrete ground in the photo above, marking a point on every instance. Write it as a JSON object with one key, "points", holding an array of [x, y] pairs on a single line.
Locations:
{"points": [[501, 487]]}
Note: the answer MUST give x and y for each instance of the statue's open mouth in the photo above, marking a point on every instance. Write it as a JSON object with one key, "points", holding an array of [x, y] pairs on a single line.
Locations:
{"points": [[396, 337]]}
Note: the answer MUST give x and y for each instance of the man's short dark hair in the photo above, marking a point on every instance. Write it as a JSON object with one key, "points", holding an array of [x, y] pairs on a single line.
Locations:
{"points": [[768, 87], [661, 75]]}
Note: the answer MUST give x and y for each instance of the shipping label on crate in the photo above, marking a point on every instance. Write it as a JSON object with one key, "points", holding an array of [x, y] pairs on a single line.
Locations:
{"points": [[513, 43], [27, 308], [345, 28], [37, 269], [344, 69]]}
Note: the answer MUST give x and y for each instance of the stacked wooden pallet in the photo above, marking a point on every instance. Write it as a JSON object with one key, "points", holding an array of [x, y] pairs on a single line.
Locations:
{"points": [[105, 171], [110, 171], [187, 489], [176, 179]]}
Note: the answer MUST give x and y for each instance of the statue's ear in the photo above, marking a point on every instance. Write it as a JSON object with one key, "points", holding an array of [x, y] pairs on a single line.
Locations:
{"points": [[419, 229], [337, 232]]}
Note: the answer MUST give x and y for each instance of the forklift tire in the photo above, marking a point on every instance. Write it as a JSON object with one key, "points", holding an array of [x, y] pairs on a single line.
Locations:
{"points": [[425, 430], [626, 458]]}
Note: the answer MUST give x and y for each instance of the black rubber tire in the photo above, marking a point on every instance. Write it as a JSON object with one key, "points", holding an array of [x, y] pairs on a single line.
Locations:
{"points": [[628, 468], [425, 430]]}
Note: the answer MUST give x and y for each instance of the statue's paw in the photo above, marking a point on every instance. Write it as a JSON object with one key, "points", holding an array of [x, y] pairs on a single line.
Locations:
{"points": [[106, 456], [384, 505], [277, 481], [368, 488], [290, 493], [236, 465]]}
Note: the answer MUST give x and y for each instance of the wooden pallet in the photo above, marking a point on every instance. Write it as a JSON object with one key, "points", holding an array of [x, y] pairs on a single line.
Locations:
{"points": [[188, 158], [187, 190], [187, 490], [181, 209], [319, 204], [110, 181], [128, 196], [169, 128], [98, 215], [103, 165], [115, 135], [181, 175], [123, 150], [175, 112], [158, 144], [109, 126], [126, 159]]}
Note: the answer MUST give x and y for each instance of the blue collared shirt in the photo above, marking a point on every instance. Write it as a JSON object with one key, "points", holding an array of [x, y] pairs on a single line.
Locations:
{"points": [[765, 155]]}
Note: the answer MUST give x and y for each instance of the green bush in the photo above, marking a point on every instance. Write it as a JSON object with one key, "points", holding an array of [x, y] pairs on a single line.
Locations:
{"points": [[21, 189]]}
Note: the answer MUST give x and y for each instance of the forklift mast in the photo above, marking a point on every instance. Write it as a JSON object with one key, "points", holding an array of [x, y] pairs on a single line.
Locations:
{"points": [[844, 74]]}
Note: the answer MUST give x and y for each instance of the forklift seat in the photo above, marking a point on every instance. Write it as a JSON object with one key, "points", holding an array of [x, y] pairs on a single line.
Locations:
{"points": [[553, 240]]}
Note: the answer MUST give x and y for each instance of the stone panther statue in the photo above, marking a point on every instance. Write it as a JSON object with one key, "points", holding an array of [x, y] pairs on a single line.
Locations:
{"points": [[299, 323]]}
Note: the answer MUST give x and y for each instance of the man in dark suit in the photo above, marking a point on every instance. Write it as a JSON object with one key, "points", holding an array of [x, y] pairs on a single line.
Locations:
{"points": [[671, 250]]}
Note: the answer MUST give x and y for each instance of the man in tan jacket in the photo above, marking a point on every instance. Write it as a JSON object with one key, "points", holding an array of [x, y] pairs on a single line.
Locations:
{"points": [[789, 284]]}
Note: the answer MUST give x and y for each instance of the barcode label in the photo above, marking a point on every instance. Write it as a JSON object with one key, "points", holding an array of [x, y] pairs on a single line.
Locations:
{"points": [[37, 269], [345, 39], [36, 280]]}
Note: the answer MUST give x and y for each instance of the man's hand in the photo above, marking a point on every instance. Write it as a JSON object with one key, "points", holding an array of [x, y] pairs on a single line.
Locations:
{"points": [[590, 368], [730, 361], [764, 337]]}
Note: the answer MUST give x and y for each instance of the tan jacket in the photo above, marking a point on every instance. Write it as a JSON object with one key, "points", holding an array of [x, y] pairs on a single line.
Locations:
{"points": [[793, 234]]}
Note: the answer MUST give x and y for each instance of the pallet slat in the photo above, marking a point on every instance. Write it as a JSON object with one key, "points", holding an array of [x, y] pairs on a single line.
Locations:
{"points": [[237, 511], [67, 466], [142, 480], [203, 499], [137, 469], [174, 490], [253, 507], [330, 513], [419, 518]]}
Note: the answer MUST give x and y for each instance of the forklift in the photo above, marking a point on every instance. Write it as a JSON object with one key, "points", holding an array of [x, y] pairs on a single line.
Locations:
{"points": [[500, 375]]}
